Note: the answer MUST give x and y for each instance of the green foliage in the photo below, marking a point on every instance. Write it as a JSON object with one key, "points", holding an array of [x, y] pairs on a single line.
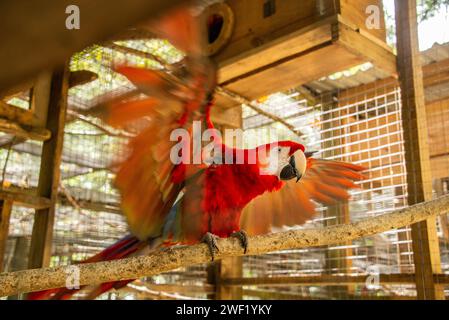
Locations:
{"points": [[430, 7]]}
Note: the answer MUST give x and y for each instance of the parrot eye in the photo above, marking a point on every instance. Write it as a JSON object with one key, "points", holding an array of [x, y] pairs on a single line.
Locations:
{"points": [[279, 149]]}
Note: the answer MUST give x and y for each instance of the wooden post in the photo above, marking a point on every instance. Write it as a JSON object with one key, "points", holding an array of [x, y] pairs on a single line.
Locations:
{"points": [[5, 213], [41, 239], [219, 271], [426, 251], [40, 95]]}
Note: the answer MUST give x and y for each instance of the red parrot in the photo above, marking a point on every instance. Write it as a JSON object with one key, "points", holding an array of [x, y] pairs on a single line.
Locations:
{"points": [[169, 203]]}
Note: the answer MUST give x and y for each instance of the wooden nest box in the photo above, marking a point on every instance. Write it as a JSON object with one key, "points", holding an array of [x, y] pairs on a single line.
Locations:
{"points": [[265, 46]]}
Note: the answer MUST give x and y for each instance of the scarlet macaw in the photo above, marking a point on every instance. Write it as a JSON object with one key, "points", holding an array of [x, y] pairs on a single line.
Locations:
{"points": [[167, 203]]}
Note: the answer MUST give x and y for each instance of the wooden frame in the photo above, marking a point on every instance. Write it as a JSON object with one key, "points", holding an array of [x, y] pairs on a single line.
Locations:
{"points": [[308, 54], [5, 213], [41, 238]]}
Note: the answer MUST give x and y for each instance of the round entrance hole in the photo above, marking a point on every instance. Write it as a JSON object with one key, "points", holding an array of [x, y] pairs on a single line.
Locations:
{"points": [[219, 20], [214, 27]]}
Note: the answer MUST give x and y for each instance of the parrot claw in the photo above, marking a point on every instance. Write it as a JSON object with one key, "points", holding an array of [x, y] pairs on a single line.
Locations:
{"points": [[243, 238], [211, 241]]}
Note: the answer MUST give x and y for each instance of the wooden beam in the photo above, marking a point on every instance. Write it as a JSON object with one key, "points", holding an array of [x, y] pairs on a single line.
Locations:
{"points": [[296, 70], [177, 288], [81, 77], [307, 54], [231, 267], [25, 199], [328, 280], [426, 251], [367, 47], [24, 132], [41, 92], [274, 50], [28, 198], [29, 124], [40, 39], [49, 174], [275, 295], [5, 213], [92, 206], [40, 95], [16, 114]]}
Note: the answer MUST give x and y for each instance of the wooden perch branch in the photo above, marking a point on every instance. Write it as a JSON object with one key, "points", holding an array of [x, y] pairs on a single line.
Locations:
{"points": [[182, 256]]}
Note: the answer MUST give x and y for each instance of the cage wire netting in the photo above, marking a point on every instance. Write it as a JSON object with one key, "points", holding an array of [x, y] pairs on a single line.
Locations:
{"points": [[362, 126], [352, 116], [356, 117]]}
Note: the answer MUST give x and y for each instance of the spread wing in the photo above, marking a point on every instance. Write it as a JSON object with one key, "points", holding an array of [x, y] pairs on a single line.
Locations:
{"points": [[145, 177], [325, 182]]}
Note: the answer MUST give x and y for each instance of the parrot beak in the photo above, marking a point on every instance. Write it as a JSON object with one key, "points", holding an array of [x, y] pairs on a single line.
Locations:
{"points": [[290, 171]]}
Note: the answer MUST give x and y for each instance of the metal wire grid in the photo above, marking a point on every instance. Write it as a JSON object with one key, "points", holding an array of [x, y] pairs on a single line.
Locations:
{"points": [[363, 128]]}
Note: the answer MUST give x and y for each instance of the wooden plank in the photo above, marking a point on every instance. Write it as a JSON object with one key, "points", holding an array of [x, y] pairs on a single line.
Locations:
{"points": [[5, 213], [264, 294], [425, 240], [177, 288], [328, 280], [12, 92], [25, 199], [34, 36], [29, 124], [253, 30], [368, 49], [21, 132], [272, 51], [231, 267], [345, 48], [41, 240], [303, 68], [28, 198], [16, 114], [40, 94], [93, 206]]}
